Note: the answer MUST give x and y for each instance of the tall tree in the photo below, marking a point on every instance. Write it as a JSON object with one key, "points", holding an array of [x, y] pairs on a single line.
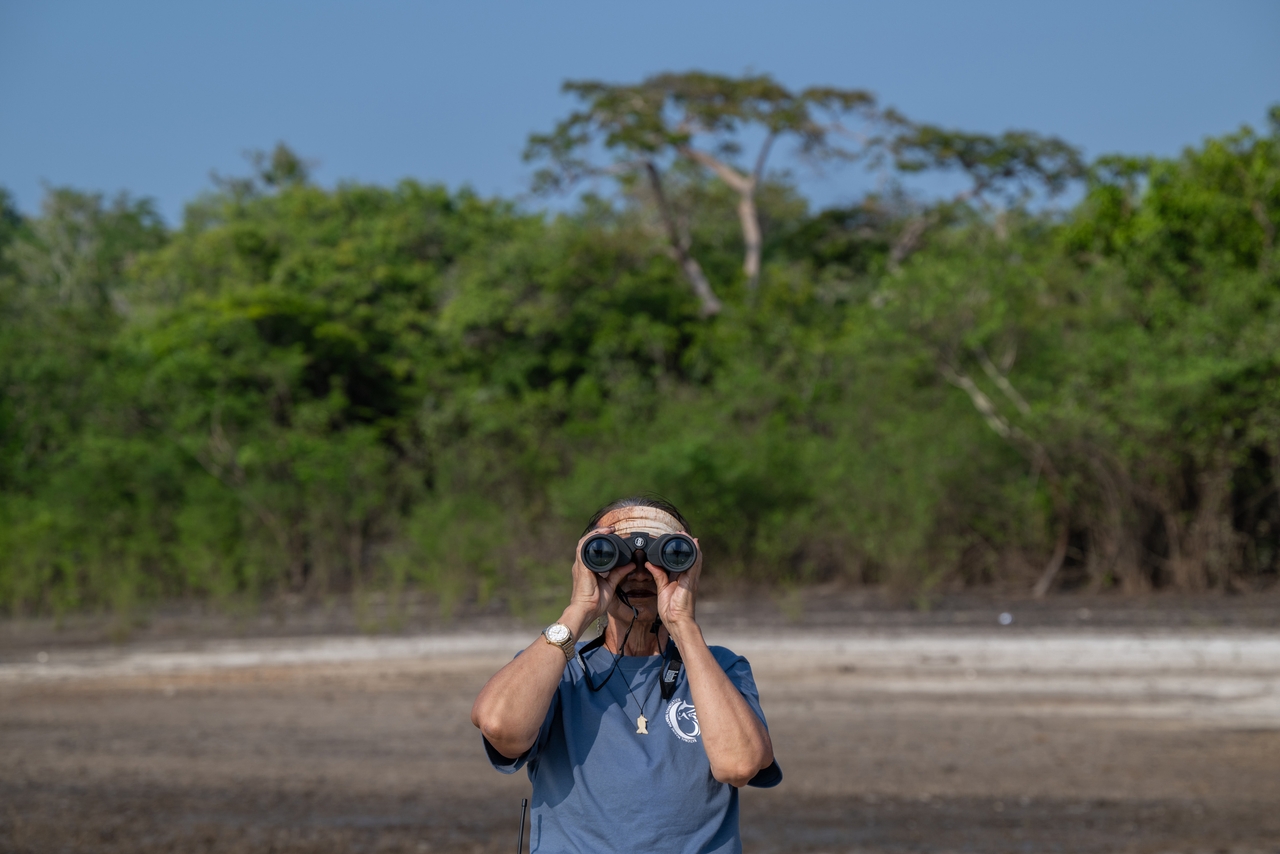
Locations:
{"points": [[702, 120]]}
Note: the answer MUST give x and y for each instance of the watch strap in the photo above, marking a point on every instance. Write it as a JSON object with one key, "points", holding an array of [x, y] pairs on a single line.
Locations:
{"points": [[566, 646]]}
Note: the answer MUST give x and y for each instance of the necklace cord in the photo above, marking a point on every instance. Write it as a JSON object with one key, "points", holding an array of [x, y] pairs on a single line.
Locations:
{"points": [[599, 642]]}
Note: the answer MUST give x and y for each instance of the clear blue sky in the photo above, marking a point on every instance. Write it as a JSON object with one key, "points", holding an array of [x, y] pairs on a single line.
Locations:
{"points": [[150, 97]]}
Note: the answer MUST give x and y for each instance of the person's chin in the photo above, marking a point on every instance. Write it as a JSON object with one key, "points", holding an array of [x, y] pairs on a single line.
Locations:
{"points": [[645, 601]]}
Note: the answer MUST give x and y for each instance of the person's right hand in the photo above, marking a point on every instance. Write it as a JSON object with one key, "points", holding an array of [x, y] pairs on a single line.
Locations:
{"points": [[592, 591]]}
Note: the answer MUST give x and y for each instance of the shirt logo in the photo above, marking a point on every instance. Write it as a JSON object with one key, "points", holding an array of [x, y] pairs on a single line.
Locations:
{"points": [[683, 720]]}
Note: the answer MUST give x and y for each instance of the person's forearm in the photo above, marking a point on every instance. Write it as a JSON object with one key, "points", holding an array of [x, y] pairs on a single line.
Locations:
{"points": [[735, 739], [514, 702]]}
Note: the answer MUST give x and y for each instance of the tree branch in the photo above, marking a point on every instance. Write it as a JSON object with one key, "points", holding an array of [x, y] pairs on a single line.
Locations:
{"points": [[1002, 382], [758, 172], [735, 179], [913, 233], [981, 402]]}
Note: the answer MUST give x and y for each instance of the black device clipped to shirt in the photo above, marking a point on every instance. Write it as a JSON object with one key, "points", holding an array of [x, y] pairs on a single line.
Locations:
{"points": [[671, 670]]}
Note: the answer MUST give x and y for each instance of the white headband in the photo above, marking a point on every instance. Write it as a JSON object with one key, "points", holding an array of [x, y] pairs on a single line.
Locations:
{"points": [[650, 520]]}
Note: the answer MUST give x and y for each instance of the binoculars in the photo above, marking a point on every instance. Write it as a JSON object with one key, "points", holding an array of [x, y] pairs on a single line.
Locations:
{"points": [[672, 552]]}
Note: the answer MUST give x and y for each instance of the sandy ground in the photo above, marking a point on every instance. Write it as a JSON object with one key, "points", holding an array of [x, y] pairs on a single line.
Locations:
{"points": [[892, 739]]}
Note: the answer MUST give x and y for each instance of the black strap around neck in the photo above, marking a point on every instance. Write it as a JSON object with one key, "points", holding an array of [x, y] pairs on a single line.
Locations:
{"points": [[672, 663]]}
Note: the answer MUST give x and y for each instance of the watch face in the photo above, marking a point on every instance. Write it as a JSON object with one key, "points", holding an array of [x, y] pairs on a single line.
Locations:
{"points": [[557, 633]]}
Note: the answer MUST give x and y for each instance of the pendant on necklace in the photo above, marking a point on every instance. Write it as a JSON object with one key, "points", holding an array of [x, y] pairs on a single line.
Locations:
{"points": [[642, 725]]}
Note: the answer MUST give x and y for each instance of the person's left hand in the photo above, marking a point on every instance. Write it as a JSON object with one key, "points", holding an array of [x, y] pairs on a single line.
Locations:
{"points": [[676, 598]]}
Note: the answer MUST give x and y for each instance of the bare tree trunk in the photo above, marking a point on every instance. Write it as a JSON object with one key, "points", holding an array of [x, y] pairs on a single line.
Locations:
{"points": [[751, 237], [748, 215], [680, 250]]}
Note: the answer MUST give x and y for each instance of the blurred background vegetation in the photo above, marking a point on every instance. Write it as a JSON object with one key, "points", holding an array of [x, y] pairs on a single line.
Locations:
{"points": [[324, 391]]}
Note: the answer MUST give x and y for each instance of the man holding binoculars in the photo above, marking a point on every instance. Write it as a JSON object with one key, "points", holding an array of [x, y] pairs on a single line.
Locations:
{"points": [[640, 739]]}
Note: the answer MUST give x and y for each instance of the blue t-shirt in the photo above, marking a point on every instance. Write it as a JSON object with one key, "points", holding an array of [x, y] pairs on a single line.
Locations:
{"points": [[599, 786]]}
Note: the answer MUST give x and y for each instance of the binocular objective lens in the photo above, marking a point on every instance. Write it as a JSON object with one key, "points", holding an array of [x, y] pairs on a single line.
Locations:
{"points": [[599, 554], [678, 553]]}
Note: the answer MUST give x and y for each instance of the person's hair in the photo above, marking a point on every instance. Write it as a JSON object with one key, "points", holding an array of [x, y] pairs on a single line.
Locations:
{"points": [[648, 500]]}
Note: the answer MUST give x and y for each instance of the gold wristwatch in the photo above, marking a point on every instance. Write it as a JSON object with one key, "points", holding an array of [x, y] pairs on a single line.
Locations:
{"points": [[558, 634]]}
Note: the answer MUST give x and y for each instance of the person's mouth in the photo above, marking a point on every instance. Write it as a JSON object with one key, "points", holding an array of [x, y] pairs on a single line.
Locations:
{"points": [[640, 593]]}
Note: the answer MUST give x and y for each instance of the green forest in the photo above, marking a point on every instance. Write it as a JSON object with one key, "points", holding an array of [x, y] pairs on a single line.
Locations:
{"points": [[1060, 374]]}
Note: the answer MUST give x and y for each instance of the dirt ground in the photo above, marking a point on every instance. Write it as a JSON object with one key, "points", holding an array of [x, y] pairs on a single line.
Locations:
{"points": [[938, 736]]}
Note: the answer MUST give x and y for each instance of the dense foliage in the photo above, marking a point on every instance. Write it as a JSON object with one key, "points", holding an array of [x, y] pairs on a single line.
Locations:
{"points": [[314, 390]]}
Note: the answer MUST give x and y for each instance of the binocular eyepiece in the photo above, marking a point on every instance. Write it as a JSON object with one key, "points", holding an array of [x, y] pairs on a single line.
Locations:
{"points": [[605, 552]]}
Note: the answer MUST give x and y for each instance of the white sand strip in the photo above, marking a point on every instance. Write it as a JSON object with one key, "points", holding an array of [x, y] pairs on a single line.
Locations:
{"points": [[1010, 651]]}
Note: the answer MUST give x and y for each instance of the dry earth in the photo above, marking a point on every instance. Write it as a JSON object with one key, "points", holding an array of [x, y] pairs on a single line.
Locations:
{"points": [[893, 739]]}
